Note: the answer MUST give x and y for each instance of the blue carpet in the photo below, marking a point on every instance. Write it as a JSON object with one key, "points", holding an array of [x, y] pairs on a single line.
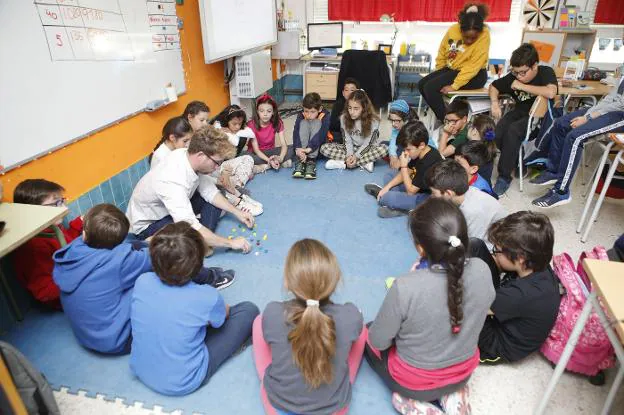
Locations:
{"points": [[334, 209]]}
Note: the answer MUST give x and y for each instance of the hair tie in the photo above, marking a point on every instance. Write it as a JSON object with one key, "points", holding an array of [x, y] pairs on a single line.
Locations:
{"points": [[312, 303], [264, 98], [489, 135], [454, 241], [472, 9], [456, 329]]}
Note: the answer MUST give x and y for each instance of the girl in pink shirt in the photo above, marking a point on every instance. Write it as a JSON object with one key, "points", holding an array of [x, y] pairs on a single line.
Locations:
{"points": [[266, 125]]}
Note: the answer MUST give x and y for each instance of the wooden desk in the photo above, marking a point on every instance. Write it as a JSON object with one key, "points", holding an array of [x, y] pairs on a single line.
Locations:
{"points": [[597, 90], [607, 280], [22, 223]]}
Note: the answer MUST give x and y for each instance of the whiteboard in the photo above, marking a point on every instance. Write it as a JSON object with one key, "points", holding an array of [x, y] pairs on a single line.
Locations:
{"points": [[70, 67], [324, 35], [236, 27]]}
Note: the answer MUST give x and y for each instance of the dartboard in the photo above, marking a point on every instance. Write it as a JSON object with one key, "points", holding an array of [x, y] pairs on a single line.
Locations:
{"points": [[539, 12]]}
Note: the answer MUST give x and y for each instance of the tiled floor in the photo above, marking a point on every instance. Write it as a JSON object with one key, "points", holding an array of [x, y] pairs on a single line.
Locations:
{"points": [[511, 389]]}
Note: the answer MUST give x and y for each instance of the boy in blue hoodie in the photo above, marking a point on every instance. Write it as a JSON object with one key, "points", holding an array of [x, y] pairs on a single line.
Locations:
{"points": [[309, 133], [96, 274]]}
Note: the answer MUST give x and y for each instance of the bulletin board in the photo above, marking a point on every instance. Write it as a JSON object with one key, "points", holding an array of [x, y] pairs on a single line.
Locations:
{"points": [[549, 45]]}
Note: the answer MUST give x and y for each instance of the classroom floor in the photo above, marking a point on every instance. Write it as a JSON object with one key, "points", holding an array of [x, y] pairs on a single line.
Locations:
{"points": [[511, 389]]}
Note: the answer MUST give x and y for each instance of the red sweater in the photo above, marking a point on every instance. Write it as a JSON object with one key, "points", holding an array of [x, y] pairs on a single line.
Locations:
{"points": [[33, 263]]}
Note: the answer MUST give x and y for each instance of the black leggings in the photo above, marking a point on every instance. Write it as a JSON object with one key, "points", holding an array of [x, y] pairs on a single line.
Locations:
{"points": [[431, 85]]}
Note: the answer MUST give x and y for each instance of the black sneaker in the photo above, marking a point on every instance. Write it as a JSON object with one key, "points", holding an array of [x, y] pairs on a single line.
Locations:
{"points": [[299, 170], [372, 189], [386, 212], [223, 282], [310, 170]]}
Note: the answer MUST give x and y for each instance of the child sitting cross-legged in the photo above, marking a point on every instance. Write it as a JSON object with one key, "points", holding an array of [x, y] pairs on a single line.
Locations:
{"points": [[96, 274], [472, 155], [448, 180], [32, 260], [308, 349], [405, 190], [527, 298], [309, 133], [423, 342], [176, 348], [455, 130]]}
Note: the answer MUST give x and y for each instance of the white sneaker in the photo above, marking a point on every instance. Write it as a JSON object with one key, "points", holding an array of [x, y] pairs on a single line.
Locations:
{"points": [[287, 164], [369, 167], [248, 199], [245, 206], [335, 164]]}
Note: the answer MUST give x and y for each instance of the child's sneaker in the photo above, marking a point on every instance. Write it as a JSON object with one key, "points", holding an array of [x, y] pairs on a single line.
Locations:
{"points": [[223, 282], [407, 406], [299, 171], [386, 212], [547, 178], [552, 199], [501, 186], [245, 206], [372, 189], [335, 164], [287, 164], [248, 199], [260, 168], [457, 403], [310, 170], [369, 167]]}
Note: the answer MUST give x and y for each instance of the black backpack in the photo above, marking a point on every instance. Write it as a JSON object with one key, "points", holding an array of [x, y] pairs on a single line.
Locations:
{"points": [[31, 385]]}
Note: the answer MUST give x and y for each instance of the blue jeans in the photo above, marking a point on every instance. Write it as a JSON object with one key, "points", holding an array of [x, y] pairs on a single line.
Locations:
{"points": [[209, 217], [566, 143], [398, 198], [224, 341]]}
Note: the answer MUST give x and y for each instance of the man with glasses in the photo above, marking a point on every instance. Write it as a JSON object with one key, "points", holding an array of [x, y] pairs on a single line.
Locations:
{"points": [[523, 83], [180, 187]]}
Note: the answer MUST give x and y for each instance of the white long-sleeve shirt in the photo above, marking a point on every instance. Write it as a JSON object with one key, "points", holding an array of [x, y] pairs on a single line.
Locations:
{"points": [[167, 190], [159, 155]]}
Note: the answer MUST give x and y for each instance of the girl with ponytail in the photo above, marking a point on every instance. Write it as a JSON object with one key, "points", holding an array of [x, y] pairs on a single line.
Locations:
{"points": [[423, 342], [308, 350], [176, 134]]}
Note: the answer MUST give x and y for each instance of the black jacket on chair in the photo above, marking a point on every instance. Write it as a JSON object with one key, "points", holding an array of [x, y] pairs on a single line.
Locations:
{"points": [[370, 68]]}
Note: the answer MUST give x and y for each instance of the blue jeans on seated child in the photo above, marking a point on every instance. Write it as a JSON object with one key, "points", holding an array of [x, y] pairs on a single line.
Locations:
{"points": [[398, 198], [226, 340], [210, 215]]}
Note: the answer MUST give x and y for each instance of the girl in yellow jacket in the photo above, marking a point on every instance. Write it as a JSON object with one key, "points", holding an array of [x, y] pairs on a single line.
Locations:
{"points": [[462, 58]]}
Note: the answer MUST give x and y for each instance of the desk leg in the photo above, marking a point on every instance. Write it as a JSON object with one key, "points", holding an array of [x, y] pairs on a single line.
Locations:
{"points": [[10, 298], [619, 352], [567, 352]]}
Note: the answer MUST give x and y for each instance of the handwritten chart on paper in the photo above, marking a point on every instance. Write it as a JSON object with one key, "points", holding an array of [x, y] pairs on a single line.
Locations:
{"points": [[163, 24], [85, 30]]}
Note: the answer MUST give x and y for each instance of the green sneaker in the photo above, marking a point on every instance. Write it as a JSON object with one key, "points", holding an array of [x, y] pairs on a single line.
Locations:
{"points": [[310, 170], [299, 170]]}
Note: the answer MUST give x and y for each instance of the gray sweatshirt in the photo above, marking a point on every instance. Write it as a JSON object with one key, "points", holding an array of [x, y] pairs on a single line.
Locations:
{"points": [[354, 140], [414, 316], [480, 210], [614, 101]]}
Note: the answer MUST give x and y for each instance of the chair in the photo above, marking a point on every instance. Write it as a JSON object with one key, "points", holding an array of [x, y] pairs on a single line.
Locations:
{"points": [[619, 159], [537, 112], [371, 69]]}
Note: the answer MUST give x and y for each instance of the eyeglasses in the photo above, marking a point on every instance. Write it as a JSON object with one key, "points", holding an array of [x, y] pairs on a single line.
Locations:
{"points": [[519, 73], [218, 163], [57, 203], [495, 251], [450, 122], [394, 120]]}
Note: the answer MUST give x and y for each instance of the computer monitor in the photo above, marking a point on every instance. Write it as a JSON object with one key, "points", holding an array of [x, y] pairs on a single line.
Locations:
{"points": [[324, 35]]}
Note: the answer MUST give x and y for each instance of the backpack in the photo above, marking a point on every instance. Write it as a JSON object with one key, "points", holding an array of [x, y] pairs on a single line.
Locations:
{"points": [[594, 351], [34, 390]]}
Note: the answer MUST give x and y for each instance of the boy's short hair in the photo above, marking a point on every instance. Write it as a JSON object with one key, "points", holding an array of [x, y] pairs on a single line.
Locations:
{"points": [[312, 100], [211, 141], [525, 234], [352, 81], [35, 191], [525, 55], [413, 133], [105, 226], [195, 107], [448, 175], [458, 107], [476, 153], [177, 252]]}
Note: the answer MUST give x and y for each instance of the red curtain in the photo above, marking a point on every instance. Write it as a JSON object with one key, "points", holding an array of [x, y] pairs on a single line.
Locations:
{"points": [[608, 11], [411, 10]]}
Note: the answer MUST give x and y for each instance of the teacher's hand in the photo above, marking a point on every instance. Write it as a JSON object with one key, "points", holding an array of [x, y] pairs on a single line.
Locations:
{"points": [[447, 89]]}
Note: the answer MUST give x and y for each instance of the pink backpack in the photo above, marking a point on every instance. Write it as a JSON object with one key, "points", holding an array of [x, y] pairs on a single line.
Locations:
{"points": [[594, 351]]}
